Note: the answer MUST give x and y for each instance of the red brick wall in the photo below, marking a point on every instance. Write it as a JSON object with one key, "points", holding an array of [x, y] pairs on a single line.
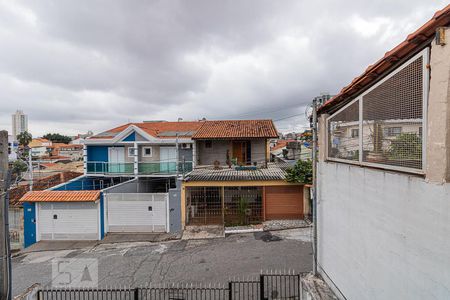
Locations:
{"points": [[41, 184]]}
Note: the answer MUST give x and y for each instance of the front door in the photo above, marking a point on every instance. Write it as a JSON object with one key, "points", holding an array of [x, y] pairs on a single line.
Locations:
{"points": [[116, 160], [240, 152], [168, 157]]}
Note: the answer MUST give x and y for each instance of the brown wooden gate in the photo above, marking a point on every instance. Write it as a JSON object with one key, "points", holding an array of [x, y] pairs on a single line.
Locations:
{"points": [[284, 202]]}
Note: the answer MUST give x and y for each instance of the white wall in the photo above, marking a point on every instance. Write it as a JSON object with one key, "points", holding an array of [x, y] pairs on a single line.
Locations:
{"points": [[383, 235]]}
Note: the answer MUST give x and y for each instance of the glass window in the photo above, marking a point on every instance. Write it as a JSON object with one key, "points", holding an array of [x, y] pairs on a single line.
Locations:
{"points": [[147, 151], [131, 152]]}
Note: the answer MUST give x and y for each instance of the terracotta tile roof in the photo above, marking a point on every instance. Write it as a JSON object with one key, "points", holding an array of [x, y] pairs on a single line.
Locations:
{"points": [[412, 43], [156, 129], [281, 144], [61, 196], [58, 145], [226, 129]]}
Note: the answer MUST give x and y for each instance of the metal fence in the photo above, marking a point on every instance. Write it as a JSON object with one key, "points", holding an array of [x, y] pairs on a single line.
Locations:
{"points": [[264, 287]]}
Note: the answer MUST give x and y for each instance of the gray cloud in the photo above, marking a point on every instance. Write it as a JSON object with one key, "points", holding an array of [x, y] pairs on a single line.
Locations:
{"points": [[75, 66]]}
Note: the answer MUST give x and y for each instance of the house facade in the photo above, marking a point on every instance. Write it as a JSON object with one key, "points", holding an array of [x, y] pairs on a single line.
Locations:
{"points": [[161, 176], [234, 183], [384, 174], [130, 171], [72, 151]]}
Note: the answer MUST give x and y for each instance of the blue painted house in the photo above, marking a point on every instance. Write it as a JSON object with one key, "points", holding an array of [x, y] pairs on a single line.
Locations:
{"points": [[129, 173]]}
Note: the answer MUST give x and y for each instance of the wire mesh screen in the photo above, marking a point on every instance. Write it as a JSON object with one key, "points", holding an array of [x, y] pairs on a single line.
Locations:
{"points": [[392, 119], [390, 132], [343, 133]]}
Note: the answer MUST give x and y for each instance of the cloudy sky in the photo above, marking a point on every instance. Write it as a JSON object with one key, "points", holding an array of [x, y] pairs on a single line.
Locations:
{"points": [[74, 66]]}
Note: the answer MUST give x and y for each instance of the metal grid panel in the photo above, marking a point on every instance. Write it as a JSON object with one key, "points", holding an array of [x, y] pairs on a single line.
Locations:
{"points": [[343, 133], [392, 119], [204, 206], [243, 205], [386, 125]]}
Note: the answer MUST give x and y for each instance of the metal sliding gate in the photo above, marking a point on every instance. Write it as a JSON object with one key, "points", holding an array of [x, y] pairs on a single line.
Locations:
{"points": [[264, 287]]}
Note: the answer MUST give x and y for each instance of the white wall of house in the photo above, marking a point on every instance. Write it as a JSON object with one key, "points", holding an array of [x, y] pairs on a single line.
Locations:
{"points": [[76, 154], [39, 151], [141, 157], [383, 235]]}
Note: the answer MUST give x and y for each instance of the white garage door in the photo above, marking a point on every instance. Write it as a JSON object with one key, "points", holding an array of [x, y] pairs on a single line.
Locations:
{"points": [[68, 221], [137, 212]]}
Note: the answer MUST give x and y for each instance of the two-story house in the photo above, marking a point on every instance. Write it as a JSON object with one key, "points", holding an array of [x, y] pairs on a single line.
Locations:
{"points": [[233, 182]]}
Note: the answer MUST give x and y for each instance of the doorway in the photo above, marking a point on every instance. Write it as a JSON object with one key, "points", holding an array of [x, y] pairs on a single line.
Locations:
{"points": [[242, 152], [168, 157], [116, 160]]}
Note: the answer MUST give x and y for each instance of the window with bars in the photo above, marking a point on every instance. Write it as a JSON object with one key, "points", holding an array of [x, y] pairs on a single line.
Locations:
{"points": [[383, 126]]}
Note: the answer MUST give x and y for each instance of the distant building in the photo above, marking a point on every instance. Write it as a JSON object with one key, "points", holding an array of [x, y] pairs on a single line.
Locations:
{"points": [[72, 151], [79, 139], [324, 97], [19, 123], [40, 147], [13, 145]]}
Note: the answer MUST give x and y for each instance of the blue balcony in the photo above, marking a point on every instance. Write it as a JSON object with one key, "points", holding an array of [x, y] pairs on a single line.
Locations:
{"points": [[143, 168]]}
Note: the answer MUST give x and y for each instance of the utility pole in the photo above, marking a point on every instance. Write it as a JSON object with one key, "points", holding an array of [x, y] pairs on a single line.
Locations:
{"points": [[30, 169], [314, 202], [5, 262]]}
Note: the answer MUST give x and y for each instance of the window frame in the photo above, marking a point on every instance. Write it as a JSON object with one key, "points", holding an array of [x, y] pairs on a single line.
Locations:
{"points": [[208, 142], [354, 136], [145, 148], [134, 152], [425, 54]]}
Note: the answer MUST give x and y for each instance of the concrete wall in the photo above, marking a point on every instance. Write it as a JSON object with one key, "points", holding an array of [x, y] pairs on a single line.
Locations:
{"points": [[175, 208], [143, 185], [438, 127], [383, 235], [259, 151], [218, 151]]}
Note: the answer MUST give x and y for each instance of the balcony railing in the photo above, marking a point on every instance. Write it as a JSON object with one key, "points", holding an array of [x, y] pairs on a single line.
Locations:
{"points": [[144, 168], [161, 167], [100, 167]]}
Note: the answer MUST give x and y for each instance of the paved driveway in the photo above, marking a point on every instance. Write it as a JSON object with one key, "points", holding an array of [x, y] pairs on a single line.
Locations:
{"points": [[196, 261]]}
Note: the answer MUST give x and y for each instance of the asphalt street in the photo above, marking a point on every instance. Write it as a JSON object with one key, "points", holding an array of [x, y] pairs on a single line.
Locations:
{"points": [[179, 261]]}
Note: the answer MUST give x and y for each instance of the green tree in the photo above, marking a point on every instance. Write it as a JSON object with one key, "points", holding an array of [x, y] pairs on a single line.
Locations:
{"points": [[24, 138], [406, 146], [301, 172], [58, 138], [18, 167]]}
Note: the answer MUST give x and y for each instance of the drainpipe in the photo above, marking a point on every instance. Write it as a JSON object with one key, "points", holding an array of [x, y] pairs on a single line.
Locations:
{"points": [[85, 160], [136, 159], [176, 146], [314, 202]]}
